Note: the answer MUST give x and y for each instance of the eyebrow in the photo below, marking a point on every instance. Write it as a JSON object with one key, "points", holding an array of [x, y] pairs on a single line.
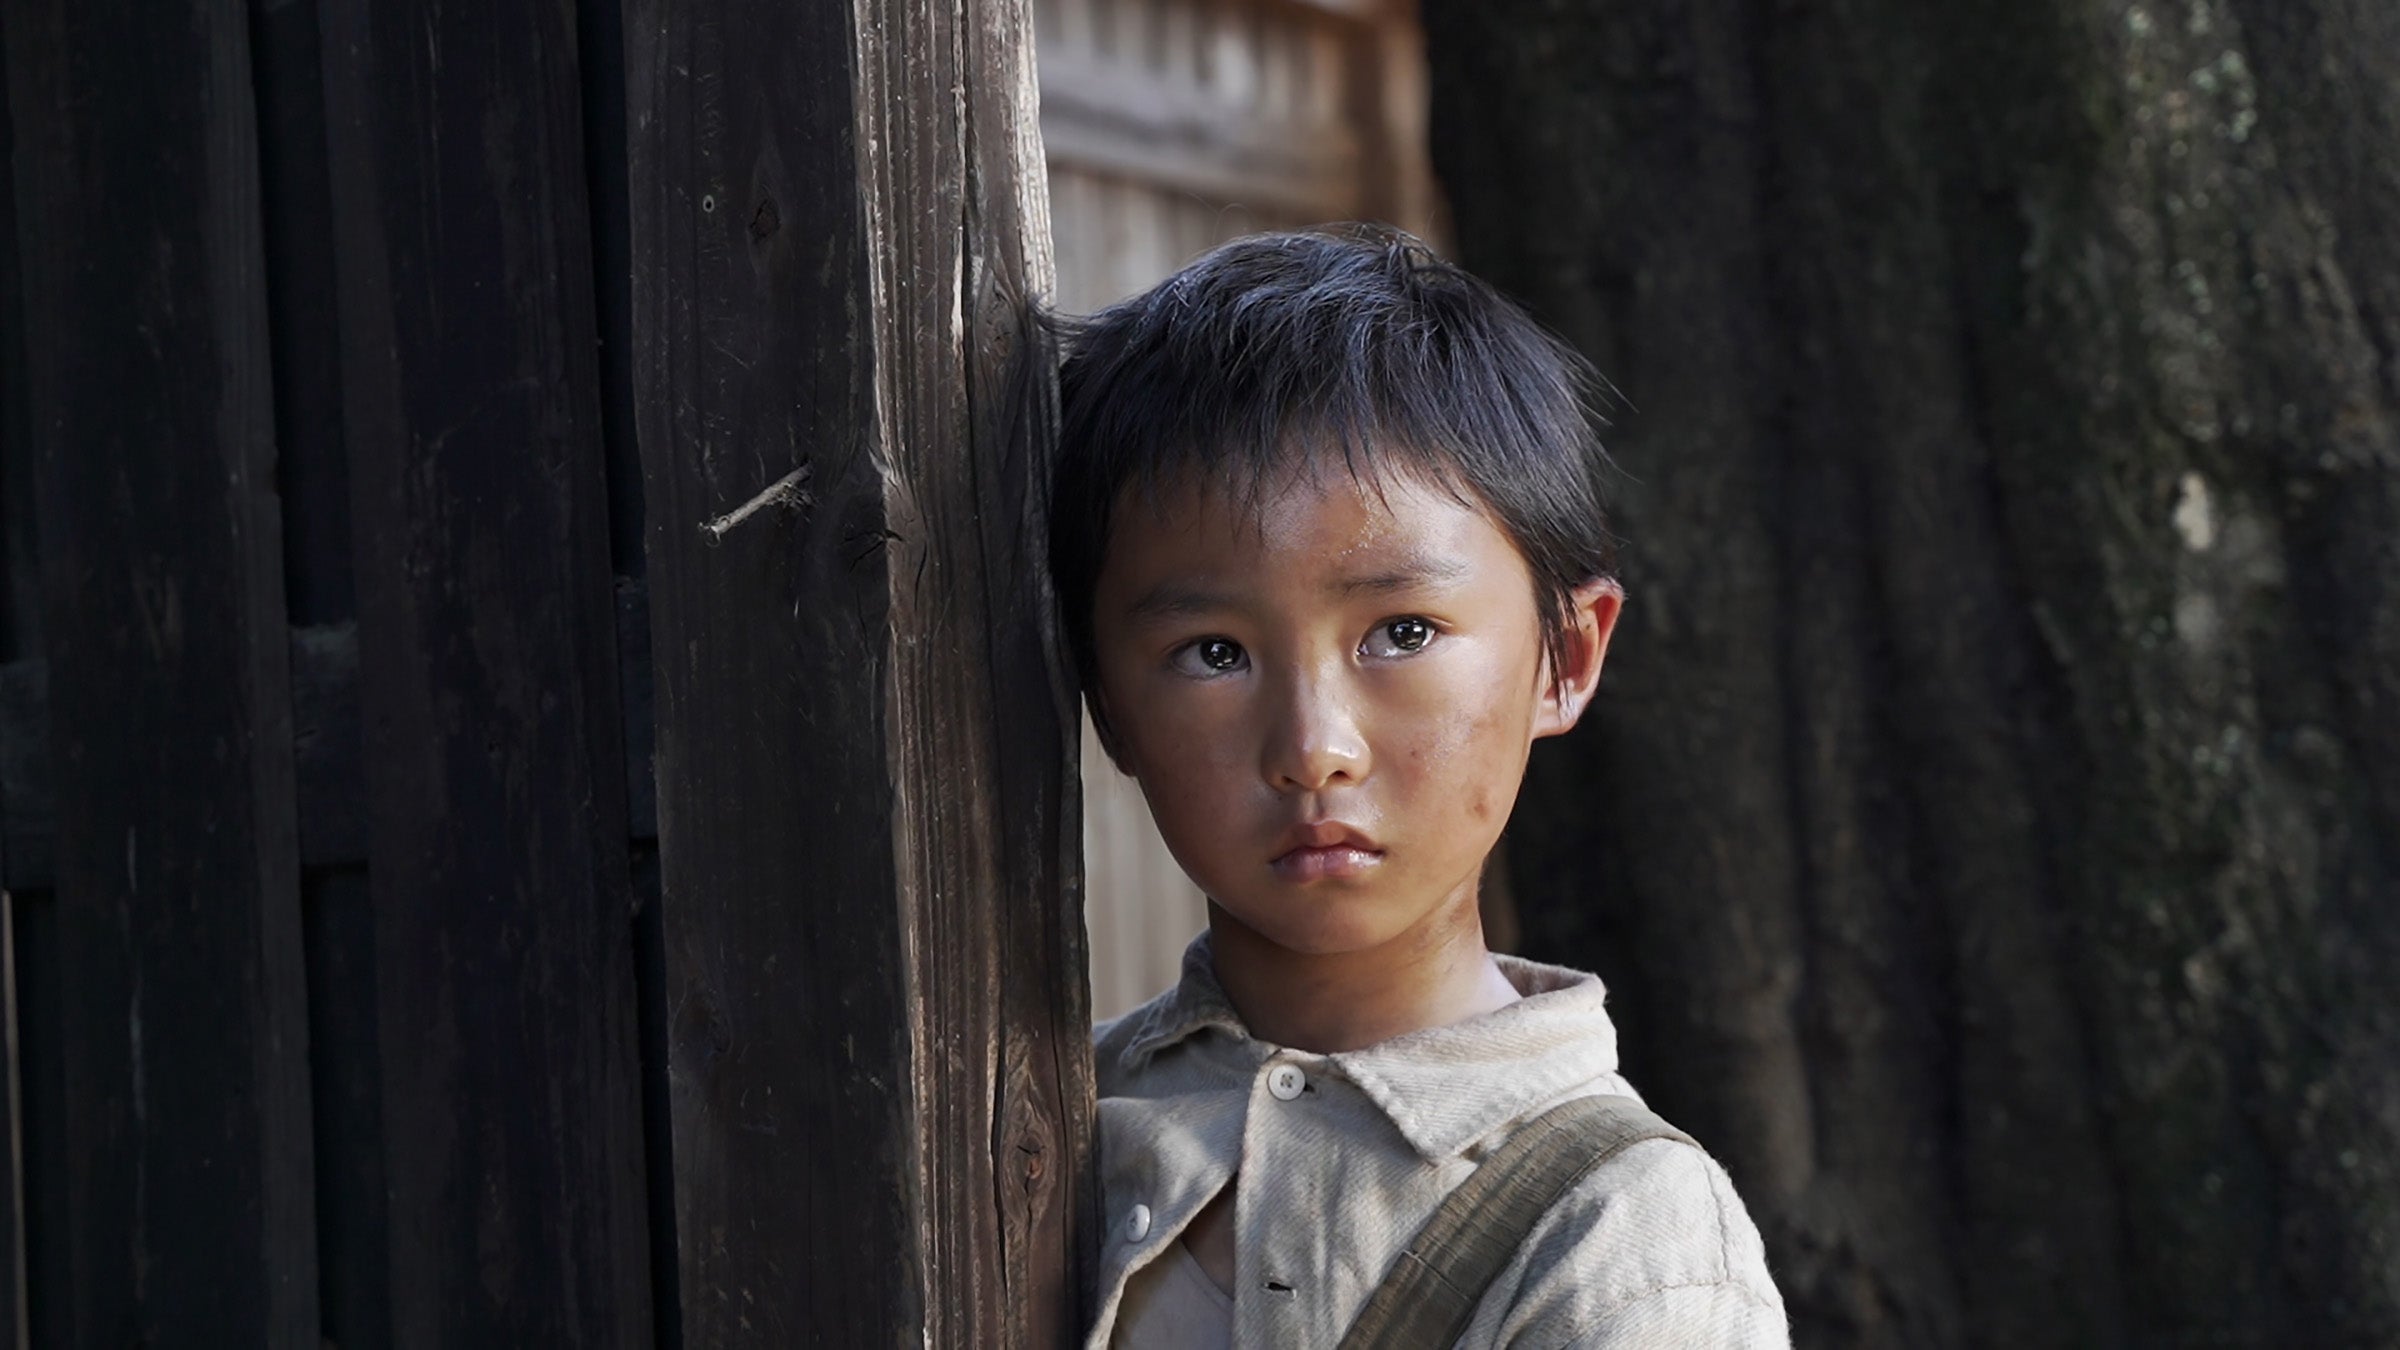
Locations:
{"points": [[1410, 574], [1169, 600], [1175, 600]]}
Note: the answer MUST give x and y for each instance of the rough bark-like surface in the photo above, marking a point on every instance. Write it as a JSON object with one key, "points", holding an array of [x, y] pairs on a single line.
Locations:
{"points": [[1989, 825]]}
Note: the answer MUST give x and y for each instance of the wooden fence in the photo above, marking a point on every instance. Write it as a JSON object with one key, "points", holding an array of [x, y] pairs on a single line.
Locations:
{"points": [[536, 792]]}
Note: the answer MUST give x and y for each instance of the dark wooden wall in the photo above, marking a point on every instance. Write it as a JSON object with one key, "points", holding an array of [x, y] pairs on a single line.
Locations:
{"points": [[364, 371]]}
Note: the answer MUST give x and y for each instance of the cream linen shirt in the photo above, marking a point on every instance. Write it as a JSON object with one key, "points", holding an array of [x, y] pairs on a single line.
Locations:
{"points": [[1343, 1157]]}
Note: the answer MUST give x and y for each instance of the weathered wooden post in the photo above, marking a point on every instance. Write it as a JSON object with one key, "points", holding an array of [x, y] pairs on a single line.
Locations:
{"points": [[867, 812]]}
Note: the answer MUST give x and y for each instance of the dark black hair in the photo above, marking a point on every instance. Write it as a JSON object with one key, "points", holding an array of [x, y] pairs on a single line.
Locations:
{"points": [[1277, 350]]}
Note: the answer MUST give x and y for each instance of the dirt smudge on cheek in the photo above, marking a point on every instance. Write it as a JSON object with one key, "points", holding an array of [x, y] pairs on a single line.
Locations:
{"points": [[1480, 805]]}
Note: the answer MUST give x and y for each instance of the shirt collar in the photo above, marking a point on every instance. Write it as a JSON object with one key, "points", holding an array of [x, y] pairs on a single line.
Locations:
{"points": [[1195, 1004], [1443, 1087]]}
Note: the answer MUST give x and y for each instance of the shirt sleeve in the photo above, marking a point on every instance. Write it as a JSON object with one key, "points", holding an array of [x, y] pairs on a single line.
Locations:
{"points": [[1695, 1315], [1654, 1250]]}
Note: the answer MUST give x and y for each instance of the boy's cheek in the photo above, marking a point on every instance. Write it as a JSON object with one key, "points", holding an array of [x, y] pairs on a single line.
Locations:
{"points": [[1189, 773], [1175, 749]]}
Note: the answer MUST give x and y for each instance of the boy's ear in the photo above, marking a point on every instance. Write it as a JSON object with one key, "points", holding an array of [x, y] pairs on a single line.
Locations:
{"points": [[1570, 687]]}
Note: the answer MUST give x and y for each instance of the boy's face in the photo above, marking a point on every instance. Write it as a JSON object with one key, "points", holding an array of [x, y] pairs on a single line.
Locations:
{"points": [[1329, 702]]}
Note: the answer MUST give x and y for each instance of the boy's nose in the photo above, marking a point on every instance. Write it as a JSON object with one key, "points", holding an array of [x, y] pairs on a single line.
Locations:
{"points": [[1315, 742]]}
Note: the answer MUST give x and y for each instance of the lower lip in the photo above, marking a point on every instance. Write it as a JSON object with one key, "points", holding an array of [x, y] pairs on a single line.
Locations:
{"points": [[1326, 864]]}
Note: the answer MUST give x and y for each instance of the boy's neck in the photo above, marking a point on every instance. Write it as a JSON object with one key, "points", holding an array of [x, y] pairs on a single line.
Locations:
{"points": [[1431, 976]]}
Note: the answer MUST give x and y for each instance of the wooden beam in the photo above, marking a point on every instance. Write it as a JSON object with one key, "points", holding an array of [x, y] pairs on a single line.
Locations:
{"points": [[184, 1020], [496, 819], [867, 814]]}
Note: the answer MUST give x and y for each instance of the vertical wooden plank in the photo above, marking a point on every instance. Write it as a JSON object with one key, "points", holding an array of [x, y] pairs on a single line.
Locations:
{"points": [[650, 956], [788, 1036], [20, 581], [41, 1083], [16, 589], [913, 183], [184, 1023], [346, 1077], [867, 818], [15, 1331], [991, 505], [313, 477], [601, 58], [311, 470], [503, 928]]}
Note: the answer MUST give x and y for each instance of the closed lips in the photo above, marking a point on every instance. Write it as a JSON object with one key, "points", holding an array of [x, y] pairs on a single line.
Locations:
{"points": [[1328, 834]]}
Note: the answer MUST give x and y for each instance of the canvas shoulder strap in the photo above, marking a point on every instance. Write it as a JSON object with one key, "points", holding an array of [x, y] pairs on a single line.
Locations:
{"points": [[1430, 1295]]}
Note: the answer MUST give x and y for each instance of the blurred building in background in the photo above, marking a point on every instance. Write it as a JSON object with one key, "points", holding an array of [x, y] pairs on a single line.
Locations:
{"points": [[1171, 126]]}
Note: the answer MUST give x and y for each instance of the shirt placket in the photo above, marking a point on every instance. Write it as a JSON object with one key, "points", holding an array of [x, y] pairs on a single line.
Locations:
{"points": [[1279, 1207], [1155, 1204]]}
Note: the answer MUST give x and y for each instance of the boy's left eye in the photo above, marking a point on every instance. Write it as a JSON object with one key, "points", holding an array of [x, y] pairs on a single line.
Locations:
{"points": [[1398, 637]]}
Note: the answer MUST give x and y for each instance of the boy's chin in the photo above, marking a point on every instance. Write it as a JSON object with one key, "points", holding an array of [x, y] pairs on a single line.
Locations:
{"points": [[1327, 933]]}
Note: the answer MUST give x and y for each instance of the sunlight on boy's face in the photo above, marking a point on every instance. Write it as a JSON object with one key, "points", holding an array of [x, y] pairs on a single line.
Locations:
{"points": [[1328, 702]]}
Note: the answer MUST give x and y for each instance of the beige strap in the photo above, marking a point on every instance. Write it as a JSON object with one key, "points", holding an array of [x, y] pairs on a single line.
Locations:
{"points": [[1430, 1295]]}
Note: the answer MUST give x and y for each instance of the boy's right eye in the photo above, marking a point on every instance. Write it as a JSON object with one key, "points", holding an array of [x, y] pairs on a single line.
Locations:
{"points": [[1209, 656]]}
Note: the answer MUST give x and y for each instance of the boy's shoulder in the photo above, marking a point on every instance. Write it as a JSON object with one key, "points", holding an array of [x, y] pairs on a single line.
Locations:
{"points": [[1653, 1247]]}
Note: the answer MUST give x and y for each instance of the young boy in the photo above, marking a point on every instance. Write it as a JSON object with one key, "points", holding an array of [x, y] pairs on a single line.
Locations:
{"points": [[1329, 547]]}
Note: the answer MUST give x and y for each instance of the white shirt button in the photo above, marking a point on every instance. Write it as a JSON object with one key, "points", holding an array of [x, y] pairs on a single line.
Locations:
{"points": [[1286, 1081], [1137, 1223]]}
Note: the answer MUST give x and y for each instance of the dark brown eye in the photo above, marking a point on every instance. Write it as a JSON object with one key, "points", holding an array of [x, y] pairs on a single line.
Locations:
{"points": [[1208, 657], [1397, 637]]}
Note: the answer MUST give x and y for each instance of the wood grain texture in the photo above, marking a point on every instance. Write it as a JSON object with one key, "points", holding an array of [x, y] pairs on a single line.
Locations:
{"points": [[1034, 1101], [867, 819], [183, 1027], [496, 821], [784, 956]]}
